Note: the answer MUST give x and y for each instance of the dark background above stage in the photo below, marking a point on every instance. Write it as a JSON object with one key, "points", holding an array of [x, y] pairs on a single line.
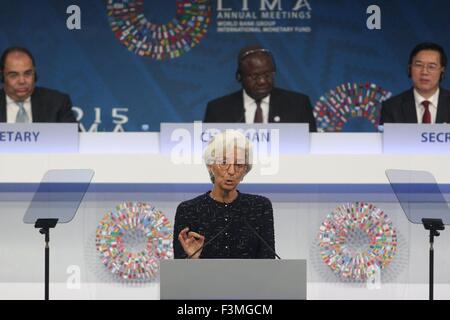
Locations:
{"points": [[328, 45]]}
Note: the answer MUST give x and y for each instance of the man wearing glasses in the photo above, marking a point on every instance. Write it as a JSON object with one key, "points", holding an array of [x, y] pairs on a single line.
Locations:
{"points": [[426, 102], [260, 101], [20, 100]]}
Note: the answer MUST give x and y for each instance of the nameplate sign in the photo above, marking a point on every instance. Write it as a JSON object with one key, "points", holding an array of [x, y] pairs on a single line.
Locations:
{"points": [[38, 137], [273, 138], [412, 138]]}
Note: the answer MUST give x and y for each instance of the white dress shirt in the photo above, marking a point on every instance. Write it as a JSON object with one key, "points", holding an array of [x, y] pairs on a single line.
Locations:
{"points": [[420, 109], [250, 108], [12, 108]]}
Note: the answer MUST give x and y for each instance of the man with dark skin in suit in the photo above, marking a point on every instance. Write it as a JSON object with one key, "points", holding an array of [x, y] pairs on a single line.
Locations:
{"points": [[257, 74], [259, 101]]}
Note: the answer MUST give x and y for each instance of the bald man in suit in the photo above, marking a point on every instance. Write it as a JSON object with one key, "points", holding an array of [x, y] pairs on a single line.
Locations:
{"points": [[20, 100]]}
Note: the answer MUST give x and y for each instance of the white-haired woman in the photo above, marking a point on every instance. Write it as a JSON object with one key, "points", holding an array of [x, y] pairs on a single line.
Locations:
{"points": [[224, 223]]}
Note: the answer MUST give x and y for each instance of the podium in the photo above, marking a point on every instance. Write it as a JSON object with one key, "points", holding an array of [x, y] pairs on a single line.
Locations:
{"points": [[232, 279]]}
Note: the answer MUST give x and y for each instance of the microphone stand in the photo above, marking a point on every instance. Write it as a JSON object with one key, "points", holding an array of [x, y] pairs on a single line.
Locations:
{"points": [[209, 241], [223, 230], [45, 225], [260, 238], [433, 225]]}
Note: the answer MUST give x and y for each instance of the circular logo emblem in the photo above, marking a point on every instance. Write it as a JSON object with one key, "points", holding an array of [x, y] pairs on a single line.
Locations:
{"points": [[350, 107], [356, 240], [132, 239], [159, 41]]}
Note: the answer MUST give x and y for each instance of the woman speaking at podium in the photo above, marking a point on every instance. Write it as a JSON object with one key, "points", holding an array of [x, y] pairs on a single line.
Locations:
{"points": [[224, 223]]}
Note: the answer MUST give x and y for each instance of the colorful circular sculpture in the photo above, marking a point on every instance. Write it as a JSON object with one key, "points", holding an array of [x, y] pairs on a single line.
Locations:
{"points": [[356, 240], [159, 41], [350, 107], [132, 239]]}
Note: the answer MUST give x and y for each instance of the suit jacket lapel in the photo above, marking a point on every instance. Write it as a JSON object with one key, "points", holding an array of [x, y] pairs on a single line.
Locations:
{"points": [[35, 106], [409, 108], [2, 106], [274, 105], [237, 108], [443, 106]]}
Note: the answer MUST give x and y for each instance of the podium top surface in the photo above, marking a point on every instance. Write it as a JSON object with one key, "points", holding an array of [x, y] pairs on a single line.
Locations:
{"points": [[233, 279]]}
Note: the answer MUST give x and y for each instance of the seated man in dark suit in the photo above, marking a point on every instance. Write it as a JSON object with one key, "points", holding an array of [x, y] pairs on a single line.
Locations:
{"points": [[426, 102], [259, 101], [20, 100]]}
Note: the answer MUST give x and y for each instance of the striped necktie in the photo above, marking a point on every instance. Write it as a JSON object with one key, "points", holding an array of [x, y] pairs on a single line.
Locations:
{"points": [[426, 115], [259, 113], [22, 116]]}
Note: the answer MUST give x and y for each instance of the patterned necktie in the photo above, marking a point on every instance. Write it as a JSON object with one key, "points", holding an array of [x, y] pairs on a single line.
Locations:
{"points": [[22, 116], [258, 113], [426, 115]]}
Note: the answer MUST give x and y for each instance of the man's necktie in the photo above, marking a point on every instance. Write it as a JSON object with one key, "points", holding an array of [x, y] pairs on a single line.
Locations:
{"points": [[22, 116], [258, 113], [426, 115]]}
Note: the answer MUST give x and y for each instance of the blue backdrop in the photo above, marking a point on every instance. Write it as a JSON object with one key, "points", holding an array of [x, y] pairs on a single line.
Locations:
{"points": [[103, 77]]}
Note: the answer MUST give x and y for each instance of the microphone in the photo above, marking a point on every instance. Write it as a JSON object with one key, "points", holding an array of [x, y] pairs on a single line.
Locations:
{"points": [[210, 240], [260, 238]]}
